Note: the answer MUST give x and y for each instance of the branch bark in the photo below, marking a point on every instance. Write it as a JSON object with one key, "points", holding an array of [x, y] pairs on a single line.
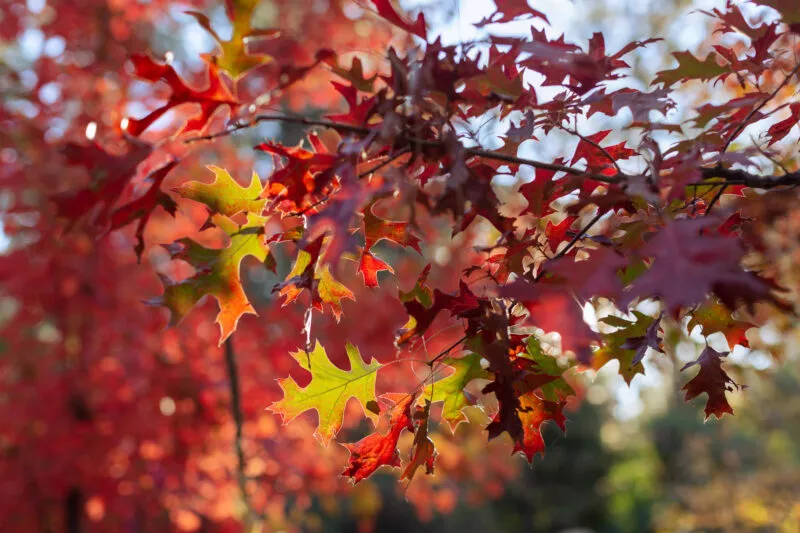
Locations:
{"points": [[729, 176], [238, 420]]}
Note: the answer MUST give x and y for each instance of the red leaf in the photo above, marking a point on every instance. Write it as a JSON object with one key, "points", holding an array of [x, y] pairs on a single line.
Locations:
{"points": [[302, 181], [143, 207], [558, 233], [369, 266], [110, 175], [781, 129], [533, 412], [711, 380], [209, 99], [510, 10], [376, 450], [387, 11], [688, 265]]}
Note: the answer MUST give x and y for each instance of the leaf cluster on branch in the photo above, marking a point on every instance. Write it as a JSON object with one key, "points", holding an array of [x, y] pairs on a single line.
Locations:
{"points": [[654, 217]]}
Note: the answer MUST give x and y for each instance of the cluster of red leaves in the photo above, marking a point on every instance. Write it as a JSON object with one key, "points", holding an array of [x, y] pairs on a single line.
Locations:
{"points": [[609, 225]]}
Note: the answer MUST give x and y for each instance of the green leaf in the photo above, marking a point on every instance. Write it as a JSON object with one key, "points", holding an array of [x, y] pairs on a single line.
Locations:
{"points": [[450, 389], [224, 195], [329, 390], [548, 375], [217, 273], [614, 344], [307, 273], [691, 68], [235, 59]]}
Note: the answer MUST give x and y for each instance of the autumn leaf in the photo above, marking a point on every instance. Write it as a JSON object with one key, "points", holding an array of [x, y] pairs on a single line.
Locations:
{"points": [[542, 373], [329, 390], [308, 273], [691, 68], [628, 344], [423, 450], [781, 129], [387, 11], [217, 270], [711, 380], [534, 412], [224, 195], [210, 99], [451, 389], [217, 273], [110, 175], [302, 181], [142, 208], [688, 265], [376, 450], [377, 229], [235, 58], [510, 10], [713, 317]]}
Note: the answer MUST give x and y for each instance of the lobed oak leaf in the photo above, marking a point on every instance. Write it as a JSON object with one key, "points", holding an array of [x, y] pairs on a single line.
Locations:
{"points": [[308, 273], [224, 195], [388, 12], [359, 112], [542, 373], [601, 160], [376, 450], [369, 266], [423, 450], [305, 178], [235, 58], [451, 389], [688, 265], [711, 380], [511, 10], [534, 412], [329, 390], [541, 192], [628, 344], [377, 229], [210, 99], [691, 68], [142, 208], [355, 74], [421, 316], [595, 275], [217, 273], [558, 234], [110, 175], [713, 317]]}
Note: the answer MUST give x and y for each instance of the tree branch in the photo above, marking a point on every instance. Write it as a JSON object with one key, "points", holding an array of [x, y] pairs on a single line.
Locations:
{"points": [[238, 420], [730, 176]]}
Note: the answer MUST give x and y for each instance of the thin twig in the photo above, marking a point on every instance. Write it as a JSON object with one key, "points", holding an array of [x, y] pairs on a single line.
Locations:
{"points": [[382, 164], [447, 350], [595, 145], [715, 199], [745, 122], [578, 236]]}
